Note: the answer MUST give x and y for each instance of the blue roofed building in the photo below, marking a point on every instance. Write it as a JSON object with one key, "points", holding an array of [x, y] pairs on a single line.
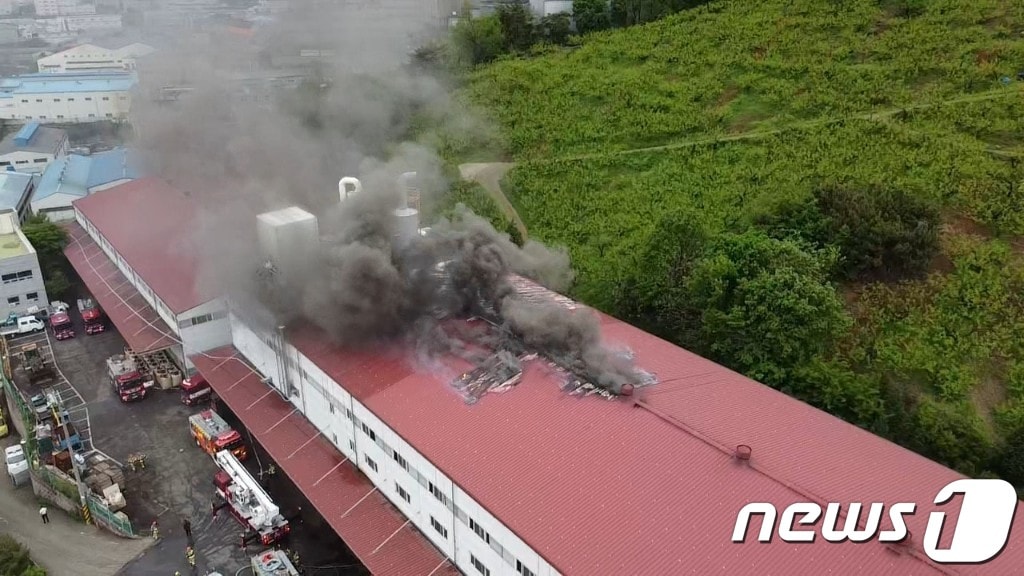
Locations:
{"points": [[16, 192], [75, 176], [32, 148], [67, 97]]}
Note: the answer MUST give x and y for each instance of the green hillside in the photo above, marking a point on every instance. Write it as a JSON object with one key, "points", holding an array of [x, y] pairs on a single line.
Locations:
{"points": [[825, 195]]}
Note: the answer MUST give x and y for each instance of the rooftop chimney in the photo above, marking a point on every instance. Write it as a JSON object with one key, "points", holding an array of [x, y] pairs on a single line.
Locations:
{"points": [[407, 219], [743, 452]]}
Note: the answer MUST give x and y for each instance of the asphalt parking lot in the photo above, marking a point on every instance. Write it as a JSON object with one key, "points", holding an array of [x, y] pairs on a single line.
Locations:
{"points": [[177, 481]]}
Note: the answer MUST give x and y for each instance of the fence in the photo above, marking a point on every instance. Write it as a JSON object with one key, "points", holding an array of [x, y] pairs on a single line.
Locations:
{"points": [[50, 485]]}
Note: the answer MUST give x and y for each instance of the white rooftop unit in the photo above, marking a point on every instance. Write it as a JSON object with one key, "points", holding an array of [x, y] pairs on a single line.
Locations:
{"points": [[407, 218], [288, 237]]}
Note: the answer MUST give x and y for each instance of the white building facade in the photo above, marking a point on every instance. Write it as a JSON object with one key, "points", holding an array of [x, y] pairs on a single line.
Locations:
{"points": [[462, 529], [67, 98]]}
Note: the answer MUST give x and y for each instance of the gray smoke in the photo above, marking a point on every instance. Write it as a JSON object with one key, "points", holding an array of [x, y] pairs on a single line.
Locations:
{"points": [[240, 150]]}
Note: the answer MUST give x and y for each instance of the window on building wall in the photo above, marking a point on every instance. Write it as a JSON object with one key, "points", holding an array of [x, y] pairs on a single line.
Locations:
{"points": [[23, 161], [479, 565], [39, 99], [352, 445], [16, 276], [480, 531], [437, 493], [106, 98], [60, 116], [401, 461], [370, 433], [5, 163], [523, 569], [13, 301], [371, 463], [56, 99], [88, 98], [92, 115], [201, 319], [41, 160], [24, 101], [439, 528], [402, 493], [109, 115], [71, 99], [32, 296]]}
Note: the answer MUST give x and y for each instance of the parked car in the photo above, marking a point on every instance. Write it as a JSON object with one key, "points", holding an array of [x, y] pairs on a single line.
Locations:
{"points": [[17, 464]]}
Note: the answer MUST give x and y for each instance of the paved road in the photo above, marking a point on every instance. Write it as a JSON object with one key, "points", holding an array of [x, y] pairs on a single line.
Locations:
{"points": [[64, 546]]}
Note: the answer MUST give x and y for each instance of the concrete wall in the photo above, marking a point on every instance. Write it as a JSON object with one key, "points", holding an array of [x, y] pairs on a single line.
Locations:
{"points": [[204, 328]]}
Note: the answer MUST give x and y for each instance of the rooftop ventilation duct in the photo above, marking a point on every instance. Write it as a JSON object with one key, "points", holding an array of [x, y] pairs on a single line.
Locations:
{"points": [[344, 185], [287, 239]]}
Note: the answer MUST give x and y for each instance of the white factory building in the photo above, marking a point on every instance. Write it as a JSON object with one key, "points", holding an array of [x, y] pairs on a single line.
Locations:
{"points": [[21, 280], [130, 248], [67, 98], [93, 58], [32, 148]]}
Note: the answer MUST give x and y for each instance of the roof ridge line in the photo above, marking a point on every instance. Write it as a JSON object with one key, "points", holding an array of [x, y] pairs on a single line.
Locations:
{"points": [[671, 420]]}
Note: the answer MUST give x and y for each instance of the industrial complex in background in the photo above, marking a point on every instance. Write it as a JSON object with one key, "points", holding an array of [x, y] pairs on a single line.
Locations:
{"points": [[513, 468]]}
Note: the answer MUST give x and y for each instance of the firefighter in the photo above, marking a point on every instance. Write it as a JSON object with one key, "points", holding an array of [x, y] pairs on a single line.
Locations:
{"points": [[190, 555], [155, 530]]}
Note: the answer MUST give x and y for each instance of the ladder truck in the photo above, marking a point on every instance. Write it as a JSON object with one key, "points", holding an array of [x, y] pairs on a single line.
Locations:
{"points": [[248, 502]]}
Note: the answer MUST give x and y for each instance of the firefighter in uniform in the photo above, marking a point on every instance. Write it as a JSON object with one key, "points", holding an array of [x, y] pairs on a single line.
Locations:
{"points": [[190, 554]]}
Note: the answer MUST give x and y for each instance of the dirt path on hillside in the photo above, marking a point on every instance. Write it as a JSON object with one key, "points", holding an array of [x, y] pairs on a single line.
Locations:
{"points": [[489, 175]]}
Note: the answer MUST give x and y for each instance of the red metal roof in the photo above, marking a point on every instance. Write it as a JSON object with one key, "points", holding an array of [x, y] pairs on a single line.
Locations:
{"points": [[147, 222], [608, 487], [377, 533], [140, 325]]}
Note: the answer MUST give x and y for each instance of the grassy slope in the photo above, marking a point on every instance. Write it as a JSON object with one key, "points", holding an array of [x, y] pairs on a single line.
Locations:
{"points": [[740, 66]]}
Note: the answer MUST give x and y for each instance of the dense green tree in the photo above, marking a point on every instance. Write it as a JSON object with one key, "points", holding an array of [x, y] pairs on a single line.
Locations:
{"points": [[518, 28], [477, 41], [951, 433], [1011, 460], [56, 283], [48, 238], [591, 15], [765, 305], [834, 387], [556, 28]]}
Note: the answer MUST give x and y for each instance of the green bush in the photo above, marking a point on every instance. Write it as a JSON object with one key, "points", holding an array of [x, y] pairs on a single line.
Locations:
{"points": [[832, 386], [15, 559], [952, 434]]}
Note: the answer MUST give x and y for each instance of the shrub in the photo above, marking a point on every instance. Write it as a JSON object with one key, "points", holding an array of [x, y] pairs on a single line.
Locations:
{"points": [[952, 434]]}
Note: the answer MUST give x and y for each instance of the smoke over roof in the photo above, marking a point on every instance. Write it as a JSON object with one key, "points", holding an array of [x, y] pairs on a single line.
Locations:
{"points": [[239, 158]]}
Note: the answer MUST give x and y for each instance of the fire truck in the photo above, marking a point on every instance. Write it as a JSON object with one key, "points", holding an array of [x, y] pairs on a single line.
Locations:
{"points": [[129, 383], [213, 435], [247, 501], [195, 390], [91, 315], [60, 323]]}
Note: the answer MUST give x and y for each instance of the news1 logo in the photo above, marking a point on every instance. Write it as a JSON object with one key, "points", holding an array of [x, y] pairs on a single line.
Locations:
{"points": [[980, 534]]}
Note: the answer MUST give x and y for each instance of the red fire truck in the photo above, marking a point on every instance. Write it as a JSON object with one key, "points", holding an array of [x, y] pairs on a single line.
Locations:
{"points": [[61, 326], [92, 315], [195, 390], [213, 435], [247, 501], [129, 383]]}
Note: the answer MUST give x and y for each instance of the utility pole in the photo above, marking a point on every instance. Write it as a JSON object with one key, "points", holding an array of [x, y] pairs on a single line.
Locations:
{"points": [[58, 414]]}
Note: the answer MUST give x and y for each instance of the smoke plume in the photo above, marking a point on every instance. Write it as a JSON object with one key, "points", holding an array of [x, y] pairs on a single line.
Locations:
{"points": [[241, 150]]}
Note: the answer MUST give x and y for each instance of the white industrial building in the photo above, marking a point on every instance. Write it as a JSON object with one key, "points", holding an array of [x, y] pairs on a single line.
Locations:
{"points": [[16, 190], [67, 98], [130, 248], [32, 148], [21, 280], [92, 58]]}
